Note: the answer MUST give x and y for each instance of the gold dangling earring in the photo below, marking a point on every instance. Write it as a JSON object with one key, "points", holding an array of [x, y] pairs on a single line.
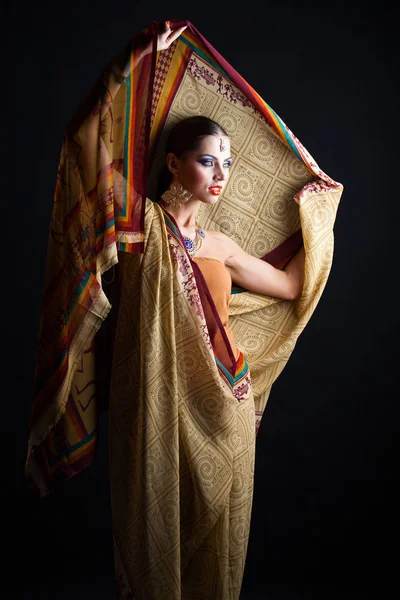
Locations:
{"points": [[176, 195]]}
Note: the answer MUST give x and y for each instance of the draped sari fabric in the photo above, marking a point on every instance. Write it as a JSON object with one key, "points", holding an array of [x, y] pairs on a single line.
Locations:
{"points": [[183, 411], [182, 445]]}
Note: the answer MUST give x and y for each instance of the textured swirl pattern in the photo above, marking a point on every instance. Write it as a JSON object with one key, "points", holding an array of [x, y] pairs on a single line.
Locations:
{"points": [[293, 170], [182, 435], [188, 427], [235, 122], [183, 425], [264, 150], [195, 102]]}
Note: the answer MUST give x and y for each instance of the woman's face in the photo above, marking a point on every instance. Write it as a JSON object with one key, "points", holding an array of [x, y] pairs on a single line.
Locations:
{"points": [[205, 171]]}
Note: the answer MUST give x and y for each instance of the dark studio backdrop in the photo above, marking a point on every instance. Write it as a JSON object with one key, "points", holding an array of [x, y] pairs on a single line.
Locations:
{"points": [[324, 520]]}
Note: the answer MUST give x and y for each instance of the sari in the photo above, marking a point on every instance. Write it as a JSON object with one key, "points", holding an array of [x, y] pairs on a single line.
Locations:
{"points": [[183, 412]]}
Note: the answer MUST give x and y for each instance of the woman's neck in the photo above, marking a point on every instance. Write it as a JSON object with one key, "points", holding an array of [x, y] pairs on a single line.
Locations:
{"points": [[185, 215]]}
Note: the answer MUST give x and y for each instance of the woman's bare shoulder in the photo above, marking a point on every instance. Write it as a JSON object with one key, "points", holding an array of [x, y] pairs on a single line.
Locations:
{"points": [[218, 236], [221, 238]]}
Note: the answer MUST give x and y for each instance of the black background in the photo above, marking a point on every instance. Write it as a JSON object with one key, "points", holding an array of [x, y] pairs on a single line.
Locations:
{"points": [[325, 508]]}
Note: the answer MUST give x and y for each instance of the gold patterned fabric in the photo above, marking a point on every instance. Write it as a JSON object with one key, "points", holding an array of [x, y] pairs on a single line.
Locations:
{"points": [[182, 428], [269, 196], [181, 444]]}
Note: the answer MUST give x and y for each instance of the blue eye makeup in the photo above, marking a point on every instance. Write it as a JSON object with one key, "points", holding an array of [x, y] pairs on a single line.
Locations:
{"points": [[209, 162]]}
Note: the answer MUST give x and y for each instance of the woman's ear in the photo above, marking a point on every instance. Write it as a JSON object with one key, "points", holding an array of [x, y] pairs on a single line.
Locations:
{"points": [[172, 163]]}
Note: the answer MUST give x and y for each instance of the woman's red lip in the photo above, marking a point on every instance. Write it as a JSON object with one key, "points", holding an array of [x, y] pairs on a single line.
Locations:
{"points": [[215, 190]]}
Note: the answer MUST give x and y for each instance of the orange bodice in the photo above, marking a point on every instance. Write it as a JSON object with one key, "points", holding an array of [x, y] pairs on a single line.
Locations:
{"points": [[219, 283]]}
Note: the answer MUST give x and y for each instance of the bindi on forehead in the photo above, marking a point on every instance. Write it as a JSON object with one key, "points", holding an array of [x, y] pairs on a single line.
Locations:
{"points": [[213, 145], [223, 144]]}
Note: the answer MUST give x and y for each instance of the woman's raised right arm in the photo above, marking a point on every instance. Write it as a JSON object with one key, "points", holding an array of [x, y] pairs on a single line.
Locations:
{"points": [[121, 67], [83, 128]]}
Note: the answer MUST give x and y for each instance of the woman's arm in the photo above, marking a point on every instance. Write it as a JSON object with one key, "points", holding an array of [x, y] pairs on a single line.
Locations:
{"points": [[258, 276], [121, 67], [86, 133]]}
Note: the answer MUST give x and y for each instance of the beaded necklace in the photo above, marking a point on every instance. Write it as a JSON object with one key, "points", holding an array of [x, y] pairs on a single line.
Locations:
{"points": [[193, 245]]}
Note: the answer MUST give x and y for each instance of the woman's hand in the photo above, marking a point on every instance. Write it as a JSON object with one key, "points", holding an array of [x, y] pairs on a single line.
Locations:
{"points": [[166, 35]]}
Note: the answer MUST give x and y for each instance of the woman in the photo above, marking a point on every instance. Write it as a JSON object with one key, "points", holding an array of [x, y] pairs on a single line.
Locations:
{"points": [[202, 169], [215, 428], [182, 409]]}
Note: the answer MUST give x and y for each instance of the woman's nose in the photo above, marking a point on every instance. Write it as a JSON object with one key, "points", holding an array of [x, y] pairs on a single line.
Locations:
{"points": [[220, 173]]}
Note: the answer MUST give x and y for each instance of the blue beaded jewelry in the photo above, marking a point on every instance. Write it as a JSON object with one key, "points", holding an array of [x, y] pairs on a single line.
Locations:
{"points": [[193, 245]]}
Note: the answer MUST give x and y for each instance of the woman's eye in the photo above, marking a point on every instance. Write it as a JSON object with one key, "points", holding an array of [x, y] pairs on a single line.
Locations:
{"points": [[208, 162]]}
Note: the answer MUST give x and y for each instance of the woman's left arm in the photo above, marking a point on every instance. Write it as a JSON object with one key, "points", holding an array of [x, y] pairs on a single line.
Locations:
{"points": [[258, 276]]}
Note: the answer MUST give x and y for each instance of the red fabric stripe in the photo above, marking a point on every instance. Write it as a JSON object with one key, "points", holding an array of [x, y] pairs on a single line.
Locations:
{"points": [[280, 255]]}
